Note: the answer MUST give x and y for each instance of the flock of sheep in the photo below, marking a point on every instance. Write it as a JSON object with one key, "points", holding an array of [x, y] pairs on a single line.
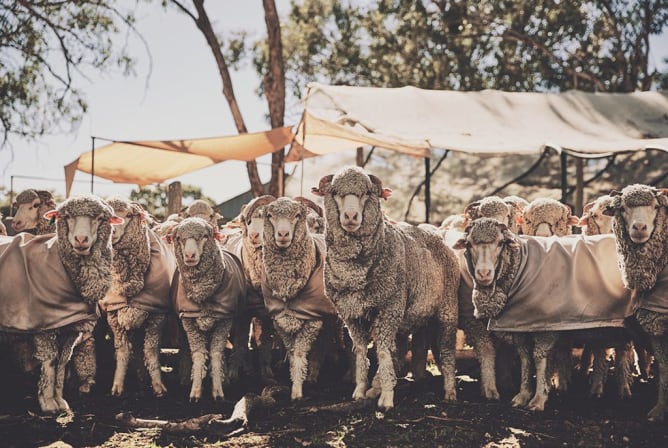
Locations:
{"points": [[341, 281]]}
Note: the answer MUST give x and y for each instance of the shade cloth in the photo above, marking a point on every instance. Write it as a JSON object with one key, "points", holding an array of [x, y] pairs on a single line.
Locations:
{"points": [[37, 293], [148, 162], [565, 283], [490, 122]]}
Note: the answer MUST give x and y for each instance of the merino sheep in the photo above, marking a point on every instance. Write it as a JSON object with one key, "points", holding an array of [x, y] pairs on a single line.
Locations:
{"points": [[139, 299], [3, 229], [547, 217], [293, 284], [65, 275], [202, 209], [505, 211], [315, 217], [594, 221], [639, 224], [247, 246], [31, 205], [211, 291], [551, 290], [371, 277]]}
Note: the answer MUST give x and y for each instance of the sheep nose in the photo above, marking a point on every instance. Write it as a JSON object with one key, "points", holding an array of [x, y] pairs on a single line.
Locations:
{"points": [[639, 227], [81, 239], [283, 233], [484, 273], [17, 224], [351, 215], [254, 236]]}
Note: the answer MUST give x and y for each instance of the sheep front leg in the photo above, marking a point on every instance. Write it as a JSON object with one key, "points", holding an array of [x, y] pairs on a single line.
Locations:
{"points": [[660, 348], [483, 345], [217, 349], [66, 345], [360, 338], [623, 355], [599, 373], [544, 344], [447, 346], [84, 362], [523, 348], [152, 334], [264, 347], [122, 352], [199, 354], [385, 376], [302, 346], [46, 351]]}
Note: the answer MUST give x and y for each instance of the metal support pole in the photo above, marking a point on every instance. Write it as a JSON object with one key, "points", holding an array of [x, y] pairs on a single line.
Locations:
{"points": [[427, 188], [92, 165], [564, 177], [11, 195], [579, 186]]}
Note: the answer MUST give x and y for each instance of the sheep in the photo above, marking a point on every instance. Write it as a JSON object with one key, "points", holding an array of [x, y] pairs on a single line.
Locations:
{"points": [[595, 222], [64, 276], [3, 229], [639, 226], [139, 299], [211, 291], [202, 209], [315, 218], [292, 285], [505, 211], [31, 205], [547, 217], [545, 276], [371, 278]]}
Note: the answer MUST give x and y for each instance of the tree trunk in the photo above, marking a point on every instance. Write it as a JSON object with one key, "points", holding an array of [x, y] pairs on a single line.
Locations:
{"points": [[274, 89], [203, 23]]}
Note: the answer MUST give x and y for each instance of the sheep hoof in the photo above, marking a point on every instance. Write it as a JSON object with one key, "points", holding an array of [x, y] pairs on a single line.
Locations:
{"points": [[117, 390], [373, 393], [195, 395], [359, 393], [85, 388], [656, 414], [63, 406], [491, 393], [625, 393], [159, 390], [450, 395], [49, 405], [386, 401], [536, 405], [519, 400]]}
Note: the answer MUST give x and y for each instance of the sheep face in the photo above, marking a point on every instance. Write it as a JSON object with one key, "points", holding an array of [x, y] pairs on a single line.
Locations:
{"points": [[190, 237], [81, 218], [28, 204], [132, 214], [637, 206], [483, 242], [282, 218], [593, 218], [252, 226], [351, 189], [202, 209]]}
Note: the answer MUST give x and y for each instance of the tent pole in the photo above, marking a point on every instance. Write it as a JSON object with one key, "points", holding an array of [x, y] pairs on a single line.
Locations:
{"points": [[579, 186], [427, 188], [92, 164], [564, 180], [11, 195]]}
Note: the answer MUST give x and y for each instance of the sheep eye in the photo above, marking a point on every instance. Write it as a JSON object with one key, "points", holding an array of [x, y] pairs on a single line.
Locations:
{"points": [[269, 215], [298, 216]]}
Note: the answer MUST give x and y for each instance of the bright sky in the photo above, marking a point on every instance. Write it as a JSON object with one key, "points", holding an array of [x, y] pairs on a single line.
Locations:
{"points": [[183, 100]]}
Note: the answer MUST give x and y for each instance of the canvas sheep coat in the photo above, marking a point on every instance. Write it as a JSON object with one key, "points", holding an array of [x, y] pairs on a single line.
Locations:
{"points": [[565, 283], [155, 297], [254, 300], [225, 303], [655, 299], [311, 302], [42, 296]]}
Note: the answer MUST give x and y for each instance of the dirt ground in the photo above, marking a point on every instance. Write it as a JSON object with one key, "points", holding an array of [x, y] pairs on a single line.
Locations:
{"points": [[328, 417]]}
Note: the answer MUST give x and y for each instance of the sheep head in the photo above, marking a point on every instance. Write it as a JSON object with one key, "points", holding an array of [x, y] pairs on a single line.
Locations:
{"points": [[315, 217], [548, 217], [283, 219], [202, 209], [635, 209], [134, 218], [252, 219], [191, 238], [30, 205], [593, 218], [355, 194], [83, 229], [484, 242], [493, 207]]}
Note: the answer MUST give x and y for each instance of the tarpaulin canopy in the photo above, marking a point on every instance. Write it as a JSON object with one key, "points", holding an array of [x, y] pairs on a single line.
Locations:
{"points": [[490, 122], [147, 162]]}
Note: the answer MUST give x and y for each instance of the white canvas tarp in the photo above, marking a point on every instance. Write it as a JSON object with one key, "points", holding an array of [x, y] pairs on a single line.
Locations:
{"points": [[491, 122], [148, 162]]}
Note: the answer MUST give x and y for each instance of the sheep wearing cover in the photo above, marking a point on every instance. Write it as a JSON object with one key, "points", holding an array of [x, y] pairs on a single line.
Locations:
{"points": [[547, 217], [595, 222], [202, 209], [65, 275], [293, 286], [639, 213], [139, 299], [247, 246], [315, 217], [371, 277], [3, 229], [211, 291], [507, 212], [31, 205], [540, 275]]}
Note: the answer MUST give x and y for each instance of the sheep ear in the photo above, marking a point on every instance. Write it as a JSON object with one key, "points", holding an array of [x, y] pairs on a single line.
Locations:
{"points": [[323, 184], [470, 207], [461, 244], [218, 236], [384, 193], [610, 210], [573, 220], [116, 220], [51, 215], [169, 238], [584, 221]]}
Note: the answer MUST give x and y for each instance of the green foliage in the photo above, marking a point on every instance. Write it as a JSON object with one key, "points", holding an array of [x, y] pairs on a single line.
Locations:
{"points": [[154, 198], [45, 47]]}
